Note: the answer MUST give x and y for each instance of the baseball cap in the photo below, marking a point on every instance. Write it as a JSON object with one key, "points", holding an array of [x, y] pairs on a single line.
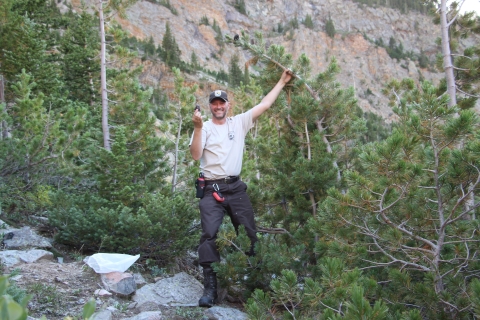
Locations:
{"points": [[218, 94]]}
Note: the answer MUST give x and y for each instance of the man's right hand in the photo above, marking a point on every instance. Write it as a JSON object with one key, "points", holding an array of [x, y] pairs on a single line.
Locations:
{"points": [[196, 149], [197, 119]]}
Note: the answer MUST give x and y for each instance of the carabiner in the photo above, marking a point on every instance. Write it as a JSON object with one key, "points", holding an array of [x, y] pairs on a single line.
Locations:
{"points": [[217, 194]]}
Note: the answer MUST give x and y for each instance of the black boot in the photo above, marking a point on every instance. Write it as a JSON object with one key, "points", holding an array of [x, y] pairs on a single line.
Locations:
{"points": [[210, 288]]}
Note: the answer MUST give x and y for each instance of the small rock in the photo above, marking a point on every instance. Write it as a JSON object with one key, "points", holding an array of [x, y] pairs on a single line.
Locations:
{"points": [[139, 280], [16, 278], [147, 306], [149, 315], [102, 292], [112, 309], [221, 313], [119, 282], [102, 315]]}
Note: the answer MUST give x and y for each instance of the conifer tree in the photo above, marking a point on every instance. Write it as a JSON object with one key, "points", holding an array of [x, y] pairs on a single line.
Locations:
{"points": [[194, 61], [308, 22], [405, 206], [181, 109], [25, 48], [235, 74], [170, 52], [40, 138], [81, 68], [460, 69], [293, 152], [129, 206], [330, 28], [109, 8], [149, 47]]}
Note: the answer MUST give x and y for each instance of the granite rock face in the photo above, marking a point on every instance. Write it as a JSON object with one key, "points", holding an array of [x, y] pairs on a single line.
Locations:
{"points": [[364, 66]]}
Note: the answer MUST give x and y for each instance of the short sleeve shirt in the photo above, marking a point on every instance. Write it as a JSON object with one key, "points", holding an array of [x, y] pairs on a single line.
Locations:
{"points": [[223, 146]]}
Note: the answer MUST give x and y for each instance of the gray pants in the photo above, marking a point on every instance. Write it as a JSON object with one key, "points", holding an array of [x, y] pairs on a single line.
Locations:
{"points": [[237, 205]]}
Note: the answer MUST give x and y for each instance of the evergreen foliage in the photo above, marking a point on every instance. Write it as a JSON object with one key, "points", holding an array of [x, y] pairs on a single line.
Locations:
{"points": [[240, 6], [181, 106], [81, 66], [377, 129], [235, 74], [194, 61], [408, 201], [395, 51], [357, 219], [52, 161], [290, 166], [204, 21], [280, 27], [466, 64], [330, 28], [218, 31], [170, 52], [221, 76], [308, 22], [167, 4], [293, 23], [149, 47], [25, 48], [423, 60], [39, 139], [127, 182]]}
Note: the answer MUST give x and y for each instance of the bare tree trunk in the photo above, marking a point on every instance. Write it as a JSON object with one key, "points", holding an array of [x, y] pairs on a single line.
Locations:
{"points": [[3, 125], [310, 192], [470, 203], [103, 78], [92, 97], [175, 157], [329, 148], [309, 149], [447, 57]]}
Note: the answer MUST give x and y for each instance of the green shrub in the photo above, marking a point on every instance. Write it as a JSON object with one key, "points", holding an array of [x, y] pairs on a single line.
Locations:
{"points": [[204, 21], [330, 28], [160, 228], [308, 22], [240, 6]]}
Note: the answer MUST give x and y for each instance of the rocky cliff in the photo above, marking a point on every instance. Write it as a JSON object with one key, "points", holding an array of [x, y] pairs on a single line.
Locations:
{"points": [[365, 66]]}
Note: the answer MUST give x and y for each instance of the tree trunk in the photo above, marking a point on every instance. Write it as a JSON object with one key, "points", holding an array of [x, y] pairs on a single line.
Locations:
{"points": [[175, 158], [447, 57], [3, 125], [103, 78], [321, 129]]}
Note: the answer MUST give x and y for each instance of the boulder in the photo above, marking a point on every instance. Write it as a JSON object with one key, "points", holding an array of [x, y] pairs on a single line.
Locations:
{"points": [[24, 238], [181, 290], [149, 315], [11, 258], [121, 283], [221, 313]]}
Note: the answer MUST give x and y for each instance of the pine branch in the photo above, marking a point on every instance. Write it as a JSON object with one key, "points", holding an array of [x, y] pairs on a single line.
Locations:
{"points": [[273, 230], [259, 54]]}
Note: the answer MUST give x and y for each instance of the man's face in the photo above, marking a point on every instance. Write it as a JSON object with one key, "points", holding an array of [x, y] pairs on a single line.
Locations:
{"points": [[219, 108]]}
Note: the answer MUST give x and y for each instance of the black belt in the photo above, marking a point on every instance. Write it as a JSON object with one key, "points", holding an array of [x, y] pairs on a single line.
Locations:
{"points": [[226, 180]]}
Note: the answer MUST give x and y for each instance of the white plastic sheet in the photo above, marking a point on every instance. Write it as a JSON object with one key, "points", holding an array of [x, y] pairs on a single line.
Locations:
{"points": [[110, 262]]}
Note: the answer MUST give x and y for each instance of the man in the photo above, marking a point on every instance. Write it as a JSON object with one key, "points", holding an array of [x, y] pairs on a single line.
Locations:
{"points": [[219, 145]]}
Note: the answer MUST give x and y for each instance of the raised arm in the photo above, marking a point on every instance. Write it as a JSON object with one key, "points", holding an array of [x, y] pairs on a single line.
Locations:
{"points": [[270, 98], [196, 149]]}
